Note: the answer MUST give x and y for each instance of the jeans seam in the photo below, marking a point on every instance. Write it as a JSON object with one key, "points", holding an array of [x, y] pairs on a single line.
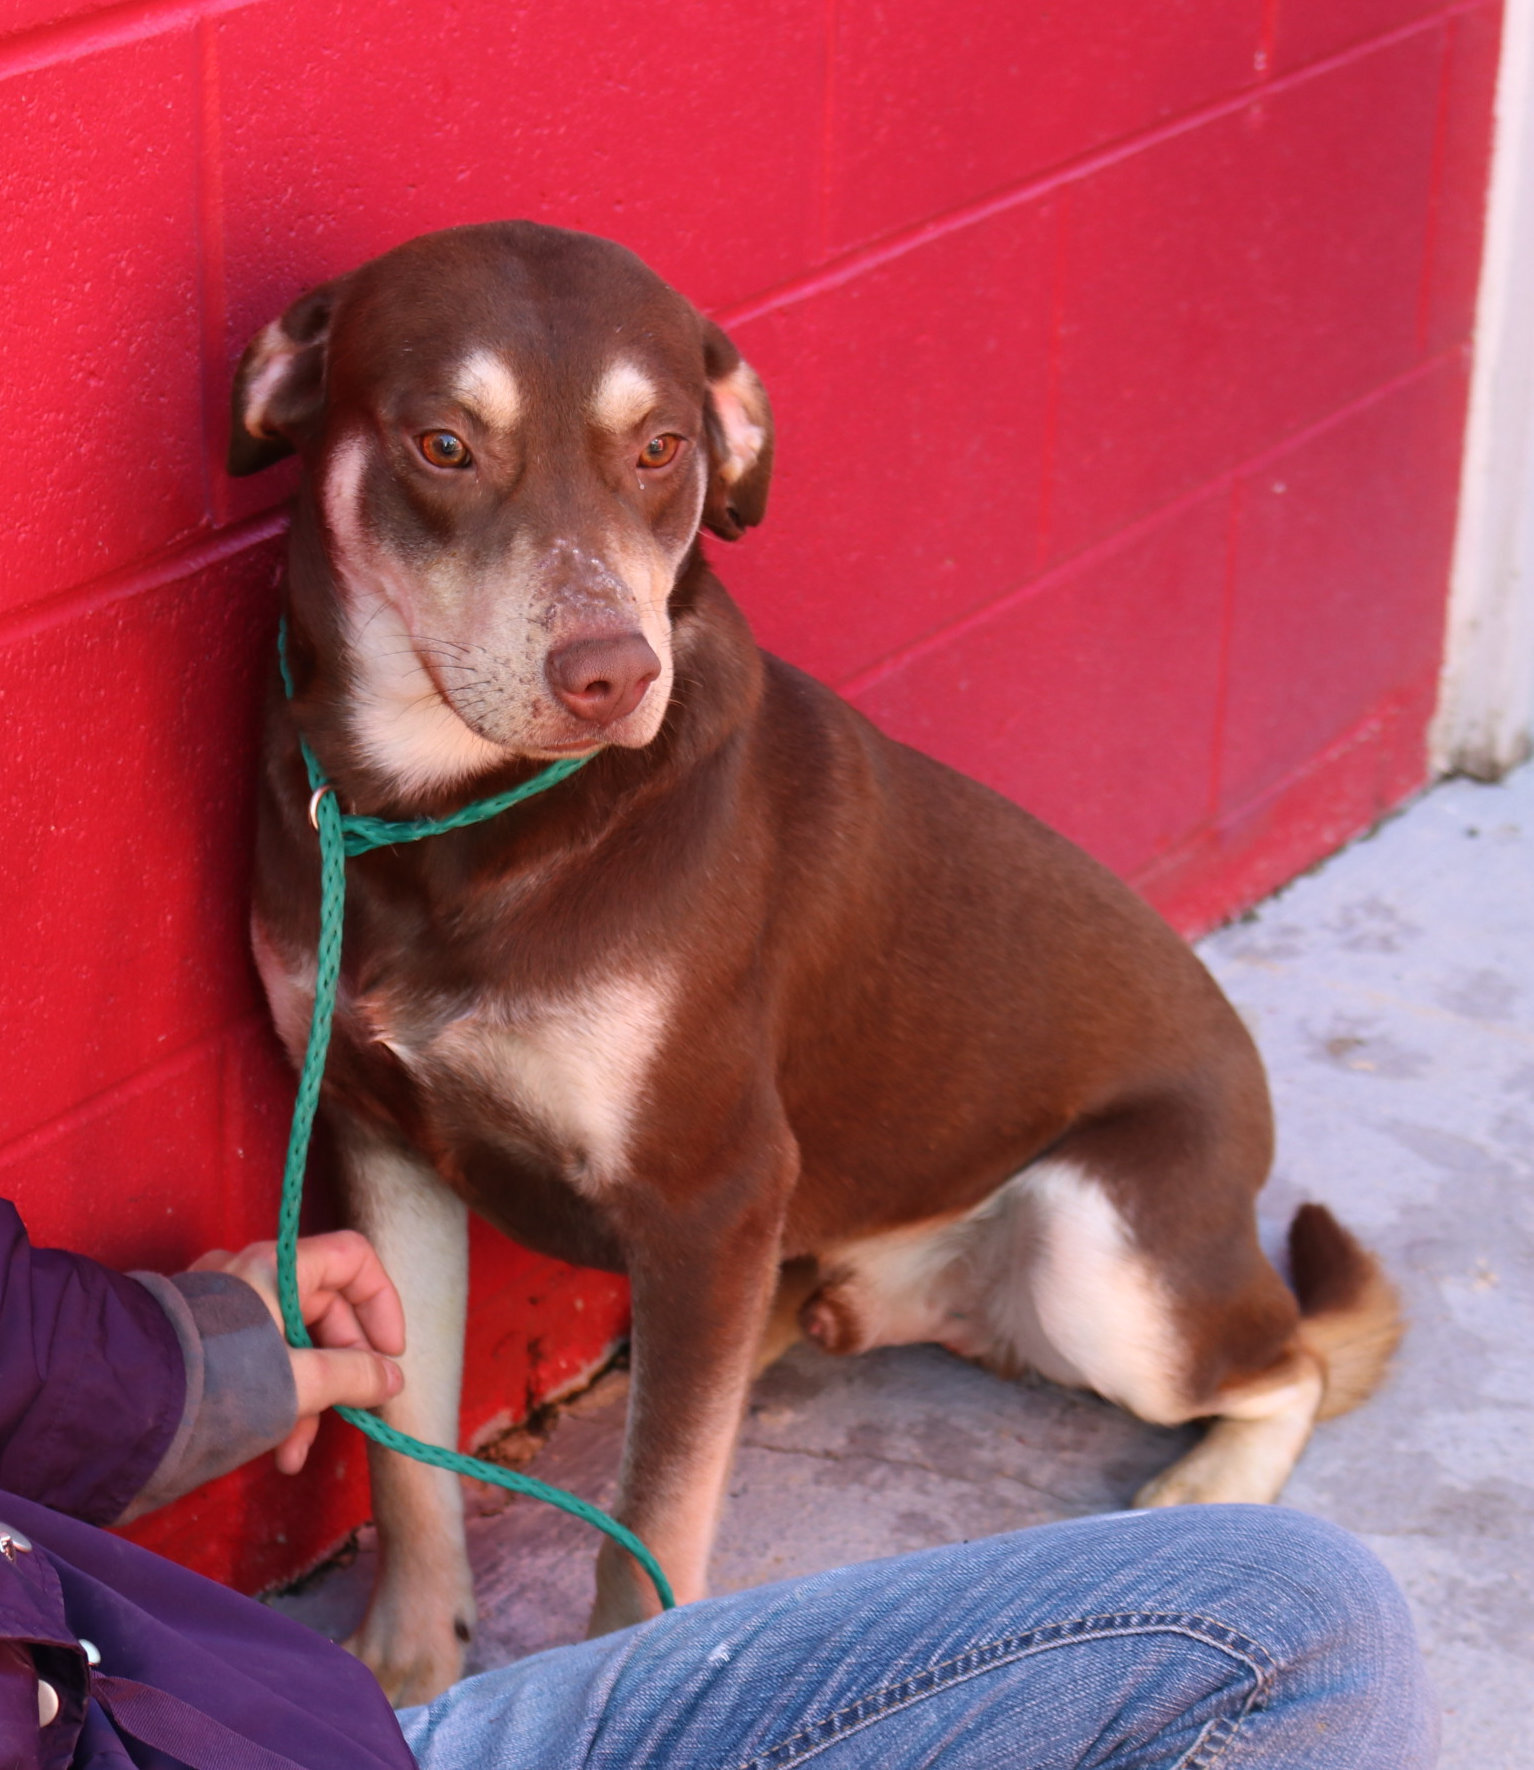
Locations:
{"points": [[1210, 1746], [1006, 1650]]}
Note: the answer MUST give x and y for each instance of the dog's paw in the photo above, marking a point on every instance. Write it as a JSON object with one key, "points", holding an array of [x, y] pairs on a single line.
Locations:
{"points": [[1172, 1487], [624, 1593], [618, 1610], [413, 1664], [1228, 1468]]}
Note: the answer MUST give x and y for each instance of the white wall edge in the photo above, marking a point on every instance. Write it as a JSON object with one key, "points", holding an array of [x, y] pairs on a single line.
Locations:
{"points": [[1485, 712]]}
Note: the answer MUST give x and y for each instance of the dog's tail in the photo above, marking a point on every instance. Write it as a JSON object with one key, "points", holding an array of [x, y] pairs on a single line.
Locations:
{"points": [[1350, 1315]]}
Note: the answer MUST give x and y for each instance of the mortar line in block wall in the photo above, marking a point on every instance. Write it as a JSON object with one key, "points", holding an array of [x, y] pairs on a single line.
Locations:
{"points": [[42, 46], [860, 681], [1226, 822], [121, 1092], [886, 249], [872, 674], [183, 561]]}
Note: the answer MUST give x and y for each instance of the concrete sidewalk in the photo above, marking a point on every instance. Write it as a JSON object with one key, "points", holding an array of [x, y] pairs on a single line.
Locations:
{"points": [[1392, 992]]}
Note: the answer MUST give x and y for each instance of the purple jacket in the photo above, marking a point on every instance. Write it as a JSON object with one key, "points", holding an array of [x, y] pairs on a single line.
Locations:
{"points": [[117, 1393]]}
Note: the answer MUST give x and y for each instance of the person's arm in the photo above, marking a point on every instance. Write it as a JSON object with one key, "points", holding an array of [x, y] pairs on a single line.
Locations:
{"points": [[248, 1391], [92, 1380], [117, 1393]]}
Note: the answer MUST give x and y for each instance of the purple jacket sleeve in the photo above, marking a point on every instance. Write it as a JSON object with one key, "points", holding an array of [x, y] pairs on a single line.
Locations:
{"points": [[240, 1396], [92, 1379], [95, 1379]]}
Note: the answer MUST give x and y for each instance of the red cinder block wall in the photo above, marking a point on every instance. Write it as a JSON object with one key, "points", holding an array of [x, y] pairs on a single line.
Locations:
{"points": [[1119, 355]]}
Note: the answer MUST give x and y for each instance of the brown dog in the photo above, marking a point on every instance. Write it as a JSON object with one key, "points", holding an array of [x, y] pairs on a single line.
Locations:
{"points": [[757, 985]]}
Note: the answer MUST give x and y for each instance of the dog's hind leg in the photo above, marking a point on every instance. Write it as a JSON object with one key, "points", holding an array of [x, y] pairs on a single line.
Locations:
{"points": [[1350, 1323], [1162, 1301], [1171, 1325], [422, 1609], [1251, 1447]]}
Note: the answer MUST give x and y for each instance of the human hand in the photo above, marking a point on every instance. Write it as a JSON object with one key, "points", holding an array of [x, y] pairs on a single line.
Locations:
{"points": [[353, 1314]]}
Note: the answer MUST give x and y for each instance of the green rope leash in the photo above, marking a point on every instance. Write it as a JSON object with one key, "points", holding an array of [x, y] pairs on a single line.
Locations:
{"points": [[342, 835]]}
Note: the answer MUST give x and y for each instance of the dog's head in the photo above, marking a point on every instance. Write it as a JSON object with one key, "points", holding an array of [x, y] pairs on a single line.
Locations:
{"points": [[511, 436]]}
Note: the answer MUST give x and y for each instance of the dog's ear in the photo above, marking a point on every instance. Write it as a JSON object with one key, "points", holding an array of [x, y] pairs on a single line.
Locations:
{"points": [[739, 421], [279, 387]]}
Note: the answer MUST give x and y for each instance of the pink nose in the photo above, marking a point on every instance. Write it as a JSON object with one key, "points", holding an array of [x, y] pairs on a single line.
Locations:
{"points": [[602, 679]]}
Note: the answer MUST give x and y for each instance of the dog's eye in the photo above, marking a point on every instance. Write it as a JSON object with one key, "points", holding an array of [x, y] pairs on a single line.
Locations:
{"points": [[443, 449], [660, 451]]}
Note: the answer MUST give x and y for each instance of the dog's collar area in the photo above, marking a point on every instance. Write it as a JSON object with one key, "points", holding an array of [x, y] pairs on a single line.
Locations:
{"points": [[360, 834], [342, 835]]}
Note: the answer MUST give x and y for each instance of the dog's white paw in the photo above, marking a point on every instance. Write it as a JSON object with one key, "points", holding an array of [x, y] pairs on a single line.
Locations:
{"points": [[1239, 1463], [1176, 1486], [413, 1659]]}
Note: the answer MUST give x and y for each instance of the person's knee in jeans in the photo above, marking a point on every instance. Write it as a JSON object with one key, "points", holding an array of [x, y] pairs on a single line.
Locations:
{"points": [[1330, 1613]]}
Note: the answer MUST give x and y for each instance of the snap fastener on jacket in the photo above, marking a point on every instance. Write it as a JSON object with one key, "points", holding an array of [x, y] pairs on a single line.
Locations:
{"points": [[91, 1651], [13, 1542], [47, 1703]]}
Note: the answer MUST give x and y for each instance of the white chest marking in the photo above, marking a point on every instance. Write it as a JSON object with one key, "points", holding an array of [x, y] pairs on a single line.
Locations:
{"points": [[577, 1066]]}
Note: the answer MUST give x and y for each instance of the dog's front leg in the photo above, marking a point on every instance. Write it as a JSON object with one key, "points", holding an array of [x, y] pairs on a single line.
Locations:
{"points": [[703, 1280], [422, 1609]]}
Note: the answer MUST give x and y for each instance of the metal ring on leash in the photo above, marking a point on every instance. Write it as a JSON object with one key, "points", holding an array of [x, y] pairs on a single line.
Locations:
{"points": [[314, 804]]}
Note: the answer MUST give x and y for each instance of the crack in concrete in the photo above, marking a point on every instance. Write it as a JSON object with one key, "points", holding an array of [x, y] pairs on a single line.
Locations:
{"points": [[1074, 1501]]}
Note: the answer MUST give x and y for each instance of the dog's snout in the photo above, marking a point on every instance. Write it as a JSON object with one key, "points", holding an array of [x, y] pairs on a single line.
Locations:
{"points": [[603, 679]]}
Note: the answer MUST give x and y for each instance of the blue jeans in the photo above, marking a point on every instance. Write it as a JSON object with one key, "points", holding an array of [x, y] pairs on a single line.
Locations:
{"points": [[1196, 1636]]}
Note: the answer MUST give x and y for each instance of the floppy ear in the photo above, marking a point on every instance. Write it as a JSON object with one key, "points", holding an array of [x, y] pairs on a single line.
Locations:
{"points": [[279, 386], [739, 421]]}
